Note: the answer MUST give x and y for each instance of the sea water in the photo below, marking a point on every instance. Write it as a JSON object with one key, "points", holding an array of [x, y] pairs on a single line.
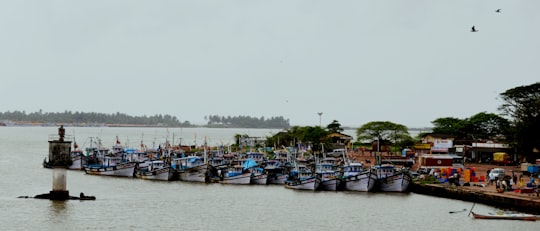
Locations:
{"points": [[135, 204]]}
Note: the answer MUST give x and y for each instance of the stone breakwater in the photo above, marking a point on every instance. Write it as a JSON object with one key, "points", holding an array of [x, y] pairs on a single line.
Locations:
{"points": [[522, 202]]}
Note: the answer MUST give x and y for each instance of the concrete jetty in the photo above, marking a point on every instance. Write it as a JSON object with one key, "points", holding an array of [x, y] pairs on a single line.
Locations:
{"points": [[522, 202]]}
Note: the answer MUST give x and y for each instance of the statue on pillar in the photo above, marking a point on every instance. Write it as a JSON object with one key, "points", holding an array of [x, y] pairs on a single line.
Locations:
{"points": [[61, 132]]}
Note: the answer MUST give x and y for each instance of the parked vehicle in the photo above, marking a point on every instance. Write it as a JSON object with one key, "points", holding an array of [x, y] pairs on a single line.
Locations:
{"points": [[496, 173], [502, 158]]}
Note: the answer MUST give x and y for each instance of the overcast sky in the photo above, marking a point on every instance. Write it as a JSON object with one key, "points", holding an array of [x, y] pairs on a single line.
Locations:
{"points": [[356, 61]]}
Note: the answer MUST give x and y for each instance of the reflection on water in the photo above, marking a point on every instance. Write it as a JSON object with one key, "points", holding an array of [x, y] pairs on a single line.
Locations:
{"points": [[58, 208]]}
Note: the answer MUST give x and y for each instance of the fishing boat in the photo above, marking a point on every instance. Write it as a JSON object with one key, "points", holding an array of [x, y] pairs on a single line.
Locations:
{"points": [[302, 180], [326, 174], [111, 166], [154, 170], [390, 179], [78, 160], [258, 176], [233, 175], [506, 216], [326, 180], [191, 168], [275, 172], [301, 177], [356, 178]]}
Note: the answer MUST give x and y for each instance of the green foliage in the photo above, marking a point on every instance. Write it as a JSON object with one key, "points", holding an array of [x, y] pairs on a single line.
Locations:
{"points": [[482, 126], [382, 130], [427, 180], [522, 104], [450, 126], [247, 122], [313, 136], [90, 118], [335, 126], [487, 126]]}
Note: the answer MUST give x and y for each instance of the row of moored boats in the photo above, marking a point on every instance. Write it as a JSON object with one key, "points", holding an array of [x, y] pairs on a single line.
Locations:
{"points": [[329, 172]]}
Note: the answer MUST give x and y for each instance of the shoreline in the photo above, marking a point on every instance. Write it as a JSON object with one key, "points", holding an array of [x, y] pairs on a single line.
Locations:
{"points": [[488, 195], [521, 202]]}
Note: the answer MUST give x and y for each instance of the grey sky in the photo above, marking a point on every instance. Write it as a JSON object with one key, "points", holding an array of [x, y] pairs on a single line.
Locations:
{"points": [[356, 61]]}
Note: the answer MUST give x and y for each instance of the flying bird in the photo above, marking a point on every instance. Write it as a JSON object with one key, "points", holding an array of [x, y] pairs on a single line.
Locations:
{"points": [[473, 29], [498, 11]]}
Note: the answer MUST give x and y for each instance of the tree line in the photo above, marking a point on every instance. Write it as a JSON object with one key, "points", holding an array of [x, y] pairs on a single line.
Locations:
{"points": [[93, 118], [90, 118], [517, 125], [247, 121]]}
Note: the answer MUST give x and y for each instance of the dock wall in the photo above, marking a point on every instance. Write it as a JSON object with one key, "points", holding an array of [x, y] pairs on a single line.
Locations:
{"points": [[529, 203]]}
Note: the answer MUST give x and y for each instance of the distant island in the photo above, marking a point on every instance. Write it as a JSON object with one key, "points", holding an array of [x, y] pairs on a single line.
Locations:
{"points": [[93, 119]]}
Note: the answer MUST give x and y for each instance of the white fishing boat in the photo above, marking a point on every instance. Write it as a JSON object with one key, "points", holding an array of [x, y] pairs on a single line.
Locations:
{"points": [[154, 170], [356, 178], [191, 168], [258, 176], [301, 178], [275, 172], [326, 175], [233, 175], [78, 160], [111, 166], [326, 180], [390, 179]]}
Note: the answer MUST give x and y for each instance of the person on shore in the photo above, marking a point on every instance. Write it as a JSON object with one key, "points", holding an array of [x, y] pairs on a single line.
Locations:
{"points": [[498, 186], [512, 183], [491, 179], [488, 177]]}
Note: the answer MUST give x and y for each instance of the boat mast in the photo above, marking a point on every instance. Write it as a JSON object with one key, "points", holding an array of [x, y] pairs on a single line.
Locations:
{"points": [[204, 151]]}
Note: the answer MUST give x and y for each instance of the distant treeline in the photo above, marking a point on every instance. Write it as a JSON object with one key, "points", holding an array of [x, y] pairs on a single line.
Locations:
{"points": [[247, 122], [92, 118], [121, 119]]}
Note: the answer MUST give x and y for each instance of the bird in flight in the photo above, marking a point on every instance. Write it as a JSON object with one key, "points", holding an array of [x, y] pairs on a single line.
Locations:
{"points": [[498, 11], [473, 29]]}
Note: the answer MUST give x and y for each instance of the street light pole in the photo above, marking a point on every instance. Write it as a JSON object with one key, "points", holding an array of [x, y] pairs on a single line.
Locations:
{"points": [[320, 115]]}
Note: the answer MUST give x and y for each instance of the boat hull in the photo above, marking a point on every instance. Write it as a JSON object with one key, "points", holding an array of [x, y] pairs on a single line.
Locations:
{"points": [[259, 179], [277, 179], [398, 182], [518, 216], [77, 164], [244, 178], [327, 184], [121, 170], [164, 174], [302, 184], [363, 182], [195, 174]]}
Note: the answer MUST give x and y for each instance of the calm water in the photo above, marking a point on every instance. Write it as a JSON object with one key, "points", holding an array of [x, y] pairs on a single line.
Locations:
{"points": [[133, 204]]}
